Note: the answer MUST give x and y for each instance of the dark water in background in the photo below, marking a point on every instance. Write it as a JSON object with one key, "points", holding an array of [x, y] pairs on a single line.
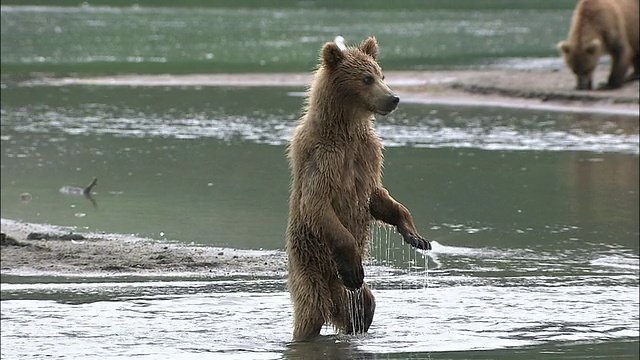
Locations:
{"points": [[534, 214], [135, 39]]}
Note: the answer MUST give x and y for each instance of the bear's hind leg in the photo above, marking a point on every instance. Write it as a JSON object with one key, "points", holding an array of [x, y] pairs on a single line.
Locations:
{"points": [[307, 324], [636, 69], [620, 61], [310, 303]]}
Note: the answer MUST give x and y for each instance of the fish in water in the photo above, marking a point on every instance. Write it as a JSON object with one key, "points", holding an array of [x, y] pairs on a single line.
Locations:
{"points": [[85, 191], [75, 190]]}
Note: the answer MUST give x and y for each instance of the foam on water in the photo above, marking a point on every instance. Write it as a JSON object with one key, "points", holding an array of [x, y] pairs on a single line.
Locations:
{"points": [[277, 131], [445, 265], [617, 261]]}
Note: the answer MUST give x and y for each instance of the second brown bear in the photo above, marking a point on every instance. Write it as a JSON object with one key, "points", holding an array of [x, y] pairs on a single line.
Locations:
{"points": [[599, 27]]}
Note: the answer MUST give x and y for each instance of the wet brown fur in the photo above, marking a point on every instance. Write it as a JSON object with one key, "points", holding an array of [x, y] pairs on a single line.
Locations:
{"points": [[336, 191], [599, 27]]}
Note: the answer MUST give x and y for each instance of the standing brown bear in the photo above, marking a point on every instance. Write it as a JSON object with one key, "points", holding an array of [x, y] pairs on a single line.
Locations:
{"points": [[336, 163], [603, 26]]}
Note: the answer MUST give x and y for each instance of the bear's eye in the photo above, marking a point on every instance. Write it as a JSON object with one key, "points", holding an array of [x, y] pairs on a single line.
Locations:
{"points": [[368, 80]]}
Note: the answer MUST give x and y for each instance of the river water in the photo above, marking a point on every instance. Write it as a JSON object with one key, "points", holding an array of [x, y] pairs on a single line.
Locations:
{"points": [[533, 214]]}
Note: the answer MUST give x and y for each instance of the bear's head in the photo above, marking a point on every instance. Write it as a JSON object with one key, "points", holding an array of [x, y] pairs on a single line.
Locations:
{"points": [[355, 77], [582, 59]]}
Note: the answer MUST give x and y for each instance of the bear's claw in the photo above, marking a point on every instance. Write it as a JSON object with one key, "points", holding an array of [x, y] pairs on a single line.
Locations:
{"points": [[418, 242]]}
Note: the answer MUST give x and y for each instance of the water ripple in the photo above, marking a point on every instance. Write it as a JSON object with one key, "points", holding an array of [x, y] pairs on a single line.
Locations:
{"points": [[276, 130], [257, 325]]}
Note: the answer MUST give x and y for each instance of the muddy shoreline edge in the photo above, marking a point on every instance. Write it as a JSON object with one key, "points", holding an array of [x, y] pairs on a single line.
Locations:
{"points": [[543, 89], [46, 250]]}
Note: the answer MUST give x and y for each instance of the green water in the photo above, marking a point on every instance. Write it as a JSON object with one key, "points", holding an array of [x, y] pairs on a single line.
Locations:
{"points": [[533, 214], [141, 39], [208, 166]]}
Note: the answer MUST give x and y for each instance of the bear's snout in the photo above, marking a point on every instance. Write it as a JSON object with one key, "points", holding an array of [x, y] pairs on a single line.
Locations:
{"points": [[389, 105], [386, 105], [584, 83]]}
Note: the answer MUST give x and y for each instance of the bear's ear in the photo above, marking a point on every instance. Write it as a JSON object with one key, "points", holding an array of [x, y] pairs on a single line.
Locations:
{"points": [[331, 55], [593, 47], [370, 47], [564, 46]]}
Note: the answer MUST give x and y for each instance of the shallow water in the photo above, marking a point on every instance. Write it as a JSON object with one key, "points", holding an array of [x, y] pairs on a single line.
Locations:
{"points": [[508, 304], [533, 214]]}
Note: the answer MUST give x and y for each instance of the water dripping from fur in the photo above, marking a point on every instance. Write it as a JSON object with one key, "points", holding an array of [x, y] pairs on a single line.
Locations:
{"points": [[383, 248], [355, 310]]}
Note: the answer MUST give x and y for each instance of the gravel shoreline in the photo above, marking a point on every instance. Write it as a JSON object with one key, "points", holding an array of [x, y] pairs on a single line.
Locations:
{"points": [[545, 89], [37, 249]]}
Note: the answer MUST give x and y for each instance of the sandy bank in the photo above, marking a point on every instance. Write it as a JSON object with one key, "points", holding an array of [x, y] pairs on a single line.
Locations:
{"points": [[56, 253], [545, 89]]}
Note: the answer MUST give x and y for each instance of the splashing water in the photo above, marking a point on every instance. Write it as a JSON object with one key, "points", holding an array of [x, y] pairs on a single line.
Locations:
{"points": [[388, 253]]}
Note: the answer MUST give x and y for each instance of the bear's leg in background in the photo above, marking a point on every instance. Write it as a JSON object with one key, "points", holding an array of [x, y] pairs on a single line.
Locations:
{"points": [[351, 307], [636, 69], [620, 60], [369, 306]]}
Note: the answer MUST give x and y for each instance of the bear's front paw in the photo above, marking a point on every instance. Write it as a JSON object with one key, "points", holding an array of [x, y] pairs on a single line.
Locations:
{"points": [[352, 276], [417, 241]]}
